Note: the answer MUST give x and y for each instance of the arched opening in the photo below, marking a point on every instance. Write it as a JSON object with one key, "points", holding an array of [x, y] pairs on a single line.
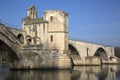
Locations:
{"points": [[29, 40], [101, 53], [7, 54], [20, 37], [75, 57], [73, 50], [51, 18]]}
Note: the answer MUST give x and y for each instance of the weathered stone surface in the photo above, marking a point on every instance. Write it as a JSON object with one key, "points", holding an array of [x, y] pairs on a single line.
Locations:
{"points": [[76, 60], [39, 60], [111, 61], [51, 30], [90, 60]]}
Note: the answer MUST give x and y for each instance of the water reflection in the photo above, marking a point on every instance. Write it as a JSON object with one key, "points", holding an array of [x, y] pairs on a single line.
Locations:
{"points": [[39, 75], [105, 72]]}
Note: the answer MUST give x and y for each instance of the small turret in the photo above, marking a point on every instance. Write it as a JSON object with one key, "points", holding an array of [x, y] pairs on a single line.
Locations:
{"points": [[32, 12]]}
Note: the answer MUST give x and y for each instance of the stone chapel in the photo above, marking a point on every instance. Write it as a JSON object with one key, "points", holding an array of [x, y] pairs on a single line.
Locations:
{"points": [[50, 32]]}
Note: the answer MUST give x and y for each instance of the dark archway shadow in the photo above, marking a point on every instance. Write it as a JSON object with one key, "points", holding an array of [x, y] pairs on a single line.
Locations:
{"points": [[73, 50], [75, 56], [101, 53], [7, 53], [20, 37]]}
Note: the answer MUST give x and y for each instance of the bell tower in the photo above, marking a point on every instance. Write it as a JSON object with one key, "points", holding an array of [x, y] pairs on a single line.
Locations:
{"points": [[32, 12]]}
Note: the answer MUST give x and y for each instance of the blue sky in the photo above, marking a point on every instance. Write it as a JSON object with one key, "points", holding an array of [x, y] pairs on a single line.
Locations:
{"points": [[96, 21]]}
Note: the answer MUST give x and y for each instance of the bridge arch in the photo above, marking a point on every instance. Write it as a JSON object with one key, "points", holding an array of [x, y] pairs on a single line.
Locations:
{"points": [[7, 53], [74, 50], [9, 45], [101, 53]]}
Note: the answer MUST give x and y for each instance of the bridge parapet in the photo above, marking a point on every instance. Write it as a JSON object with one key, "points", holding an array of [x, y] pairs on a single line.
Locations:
{"points": [[9, 35], [9, 25]]}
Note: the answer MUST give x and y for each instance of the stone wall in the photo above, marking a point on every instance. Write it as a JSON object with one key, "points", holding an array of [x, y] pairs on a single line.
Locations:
{"points": [[92, 60], [89, 60], [58, 29]]}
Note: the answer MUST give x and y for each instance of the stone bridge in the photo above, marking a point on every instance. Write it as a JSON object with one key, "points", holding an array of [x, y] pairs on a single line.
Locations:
{"points": [[9, 45], [82, 50], [18, 56], [89, 49], [11, 49]]}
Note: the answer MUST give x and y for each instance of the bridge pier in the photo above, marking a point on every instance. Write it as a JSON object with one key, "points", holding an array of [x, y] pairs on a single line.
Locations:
{"points": [[92, 61], [88, 60]]}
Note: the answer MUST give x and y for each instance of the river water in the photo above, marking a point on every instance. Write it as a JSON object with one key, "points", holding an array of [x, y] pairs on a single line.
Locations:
{"points": [[104, 72]]}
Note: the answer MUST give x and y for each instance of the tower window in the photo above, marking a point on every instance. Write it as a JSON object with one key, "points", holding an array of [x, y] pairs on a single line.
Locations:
{"points": [[51, 38], [51, 18]]}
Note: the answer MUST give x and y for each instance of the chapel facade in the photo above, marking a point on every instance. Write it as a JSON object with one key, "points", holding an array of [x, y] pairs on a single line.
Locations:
{"points": [[50, 32]]}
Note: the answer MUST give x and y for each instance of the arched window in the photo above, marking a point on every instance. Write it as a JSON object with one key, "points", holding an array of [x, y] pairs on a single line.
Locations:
{"points": [[51, 18], [20, 38], [29, 39]]}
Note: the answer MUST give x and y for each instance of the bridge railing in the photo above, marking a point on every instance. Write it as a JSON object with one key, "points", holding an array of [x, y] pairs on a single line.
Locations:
{"points": [[85, 41], [9, 25]]}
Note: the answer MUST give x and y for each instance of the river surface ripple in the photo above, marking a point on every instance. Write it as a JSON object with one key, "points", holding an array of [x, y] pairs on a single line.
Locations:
{"points": [[104, 72]]}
